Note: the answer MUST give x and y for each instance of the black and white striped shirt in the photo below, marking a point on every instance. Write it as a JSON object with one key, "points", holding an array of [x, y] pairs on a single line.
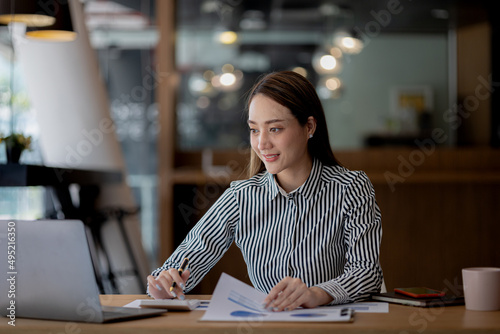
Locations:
{"points": [[327, 233]]}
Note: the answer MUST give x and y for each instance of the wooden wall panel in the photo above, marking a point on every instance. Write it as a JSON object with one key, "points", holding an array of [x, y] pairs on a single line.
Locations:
{"points": [[473, 81], [431, 231]]}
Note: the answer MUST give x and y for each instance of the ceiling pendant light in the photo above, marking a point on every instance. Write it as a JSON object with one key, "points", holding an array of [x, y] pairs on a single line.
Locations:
{"points": [[329, 87], [348, 41], [27, 13], [327, 60]]}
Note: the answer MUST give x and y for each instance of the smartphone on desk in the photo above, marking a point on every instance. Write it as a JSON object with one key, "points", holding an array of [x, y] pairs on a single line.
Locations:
{"points": [[419, 292]]}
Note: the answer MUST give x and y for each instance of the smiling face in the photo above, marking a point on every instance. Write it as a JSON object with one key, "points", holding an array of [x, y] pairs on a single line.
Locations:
{"points": [[280, 141]]}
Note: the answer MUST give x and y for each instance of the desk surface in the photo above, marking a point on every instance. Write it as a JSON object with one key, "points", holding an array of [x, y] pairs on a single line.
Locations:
{"points": [[400, 318]]}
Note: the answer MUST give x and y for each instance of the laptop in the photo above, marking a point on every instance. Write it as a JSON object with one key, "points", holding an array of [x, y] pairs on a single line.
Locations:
{"points": [[46, 272]]}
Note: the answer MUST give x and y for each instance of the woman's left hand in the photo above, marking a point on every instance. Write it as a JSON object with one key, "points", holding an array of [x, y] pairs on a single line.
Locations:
{"points": [[291, 293]]}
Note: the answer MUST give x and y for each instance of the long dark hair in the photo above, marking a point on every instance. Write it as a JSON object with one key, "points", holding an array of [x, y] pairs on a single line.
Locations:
{"points": [[296, 93]]}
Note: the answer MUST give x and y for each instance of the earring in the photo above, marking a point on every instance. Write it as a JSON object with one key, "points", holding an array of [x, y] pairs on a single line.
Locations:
{"points": [[310, 136]]}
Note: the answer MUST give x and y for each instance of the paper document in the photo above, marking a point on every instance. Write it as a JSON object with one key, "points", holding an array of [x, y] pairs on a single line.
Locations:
{"points": [[234, 300]]}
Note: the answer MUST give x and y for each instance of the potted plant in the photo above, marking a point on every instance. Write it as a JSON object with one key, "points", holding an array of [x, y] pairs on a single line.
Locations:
{"points": [[15, 144]]}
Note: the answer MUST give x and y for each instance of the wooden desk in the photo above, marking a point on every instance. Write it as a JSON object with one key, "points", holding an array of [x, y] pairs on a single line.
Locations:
{"points": [[399, 319]]}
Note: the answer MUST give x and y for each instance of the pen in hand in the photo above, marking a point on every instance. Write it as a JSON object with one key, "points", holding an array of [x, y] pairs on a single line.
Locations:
{"points": [[181, 270]]}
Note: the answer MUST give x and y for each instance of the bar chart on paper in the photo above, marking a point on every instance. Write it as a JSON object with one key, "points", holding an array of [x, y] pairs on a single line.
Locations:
{"points": [[236, 301]]}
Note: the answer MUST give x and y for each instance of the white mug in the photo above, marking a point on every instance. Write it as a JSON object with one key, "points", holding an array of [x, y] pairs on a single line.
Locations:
{"points": [[481, 288]]}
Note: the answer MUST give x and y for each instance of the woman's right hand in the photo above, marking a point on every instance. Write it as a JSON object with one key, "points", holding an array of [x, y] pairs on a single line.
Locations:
{"points": [[159, 287]]}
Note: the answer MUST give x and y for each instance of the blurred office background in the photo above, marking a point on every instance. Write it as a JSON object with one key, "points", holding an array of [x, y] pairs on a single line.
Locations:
{"points": [[408, 89]]}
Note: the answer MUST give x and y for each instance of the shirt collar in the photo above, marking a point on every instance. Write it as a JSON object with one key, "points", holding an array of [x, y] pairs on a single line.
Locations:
{"points": [[283, 191], [308, 189], [273, 186]]}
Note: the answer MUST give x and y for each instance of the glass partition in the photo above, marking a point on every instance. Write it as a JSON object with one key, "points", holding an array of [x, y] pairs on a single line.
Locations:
{"points": [[385, 71]]}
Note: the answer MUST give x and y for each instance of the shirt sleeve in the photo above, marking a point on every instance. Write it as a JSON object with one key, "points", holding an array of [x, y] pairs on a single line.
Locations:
{"points": [[362, 236], [207, 241]]}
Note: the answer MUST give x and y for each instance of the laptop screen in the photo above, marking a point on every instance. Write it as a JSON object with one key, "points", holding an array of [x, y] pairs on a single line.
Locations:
{"points": [[50, 273]]}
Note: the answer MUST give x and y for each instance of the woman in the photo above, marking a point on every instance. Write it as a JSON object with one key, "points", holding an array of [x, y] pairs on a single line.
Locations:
{"points": [[309, 229]]}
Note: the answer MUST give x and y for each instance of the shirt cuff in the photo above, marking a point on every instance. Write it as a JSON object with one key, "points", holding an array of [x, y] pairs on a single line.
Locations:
{"points": [[339, 295]]}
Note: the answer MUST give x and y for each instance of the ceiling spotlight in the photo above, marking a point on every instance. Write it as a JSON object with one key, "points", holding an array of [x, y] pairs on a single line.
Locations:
{"points": [[199, 85], [328, 62], [253, 20], [229, 80], [336, 52], [348, 41], [329, 87], [441, 14], [227, 68], [329, 9], [300, 70], [325, 63], [227, 37], [332, 83]]}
